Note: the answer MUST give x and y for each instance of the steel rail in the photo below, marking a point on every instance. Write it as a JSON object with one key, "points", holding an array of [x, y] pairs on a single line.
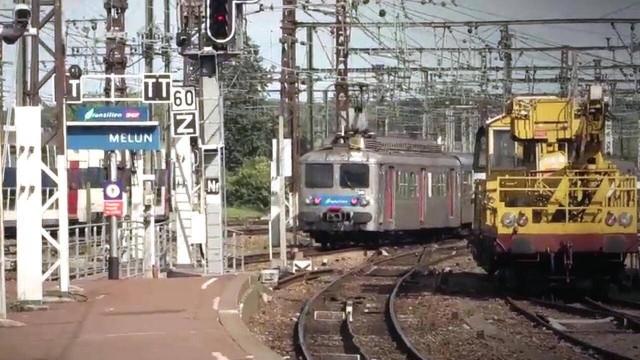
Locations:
{"points": [[628, 320], [624, 303], [405, 342], [563, 334], [302, 276], [300, 332]]}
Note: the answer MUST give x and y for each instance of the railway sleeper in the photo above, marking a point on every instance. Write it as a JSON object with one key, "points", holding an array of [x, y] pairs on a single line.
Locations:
{"points": [[559, 323], [337, 357], [325, 315]]}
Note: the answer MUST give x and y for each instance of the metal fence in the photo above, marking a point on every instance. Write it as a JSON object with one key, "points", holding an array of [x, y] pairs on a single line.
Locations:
{"points": [[133, 251], [89, 249]]}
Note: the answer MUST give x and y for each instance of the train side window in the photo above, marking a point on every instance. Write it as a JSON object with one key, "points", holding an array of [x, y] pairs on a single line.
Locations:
{"points": [[413, 185], [439, 185], [447, 183], [404, 185], [317, 176], [467, 183]]}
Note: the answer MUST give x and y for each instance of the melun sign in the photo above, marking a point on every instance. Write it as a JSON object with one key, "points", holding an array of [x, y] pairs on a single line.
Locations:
{"points": [[113, 137], [113, 128]]}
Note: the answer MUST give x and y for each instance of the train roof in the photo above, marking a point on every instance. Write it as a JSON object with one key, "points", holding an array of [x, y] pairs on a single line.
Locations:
{"points": [[346, 155]]}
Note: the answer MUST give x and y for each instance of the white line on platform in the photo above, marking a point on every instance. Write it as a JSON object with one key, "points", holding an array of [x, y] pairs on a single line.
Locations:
{"points": [[216, 302], [219, 356], [137, 334], [207, 283], [229, 311]]}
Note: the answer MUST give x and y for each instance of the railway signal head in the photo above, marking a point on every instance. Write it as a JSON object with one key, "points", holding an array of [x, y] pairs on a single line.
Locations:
{"points": [[221, 20], [10, 33]]}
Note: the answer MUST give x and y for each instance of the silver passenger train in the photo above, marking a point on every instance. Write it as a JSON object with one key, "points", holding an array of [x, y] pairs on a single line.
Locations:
{"points": [[367, 189]]}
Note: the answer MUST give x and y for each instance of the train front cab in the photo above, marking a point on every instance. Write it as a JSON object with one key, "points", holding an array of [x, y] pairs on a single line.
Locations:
{"points": [[563, 224], [336, 200]]}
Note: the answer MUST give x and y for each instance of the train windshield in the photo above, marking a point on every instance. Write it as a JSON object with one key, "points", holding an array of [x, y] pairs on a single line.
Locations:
{"points": [[354, 176], [504, 150], [318, 176]]}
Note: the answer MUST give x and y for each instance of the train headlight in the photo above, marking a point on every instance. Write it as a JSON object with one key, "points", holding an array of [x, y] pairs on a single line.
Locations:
{"points": [[610, 219], [508, 220], [308, 200], [523, 220], [625, 219], [354, 201], [364, 201], [317, 200]]}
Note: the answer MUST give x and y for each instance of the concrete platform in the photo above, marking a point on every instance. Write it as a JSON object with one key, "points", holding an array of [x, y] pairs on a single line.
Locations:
{"points": [[139, 319]]}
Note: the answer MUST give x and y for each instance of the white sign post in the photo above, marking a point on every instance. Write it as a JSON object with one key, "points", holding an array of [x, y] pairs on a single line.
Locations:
{"points": [[185, 119]]}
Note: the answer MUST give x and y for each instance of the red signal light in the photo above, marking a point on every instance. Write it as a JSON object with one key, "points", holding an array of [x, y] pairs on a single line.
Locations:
{"points": [[220, 18]]}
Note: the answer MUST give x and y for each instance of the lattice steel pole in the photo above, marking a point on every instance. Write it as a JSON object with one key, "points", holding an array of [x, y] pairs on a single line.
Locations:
{"points": [[289, 95], [505, 46], [342, 65]]}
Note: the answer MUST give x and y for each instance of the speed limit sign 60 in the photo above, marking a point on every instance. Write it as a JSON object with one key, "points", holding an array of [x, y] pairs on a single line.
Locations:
{"points": [[183, 99]]}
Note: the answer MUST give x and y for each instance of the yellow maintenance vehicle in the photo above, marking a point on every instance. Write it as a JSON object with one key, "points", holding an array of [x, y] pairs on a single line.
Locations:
{"points": [[547, 200]]}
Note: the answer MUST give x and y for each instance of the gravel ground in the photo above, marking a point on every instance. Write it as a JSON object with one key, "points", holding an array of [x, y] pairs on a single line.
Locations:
{"points": [[274, 324], [471, 322]]}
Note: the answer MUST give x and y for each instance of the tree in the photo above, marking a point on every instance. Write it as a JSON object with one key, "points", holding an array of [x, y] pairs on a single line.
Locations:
{"points": [[249, 119], [249, 186]]}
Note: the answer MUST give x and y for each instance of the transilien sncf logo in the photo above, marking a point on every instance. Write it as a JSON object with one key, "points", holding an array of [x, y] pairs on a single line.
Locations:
{"points": [[112, 115]]}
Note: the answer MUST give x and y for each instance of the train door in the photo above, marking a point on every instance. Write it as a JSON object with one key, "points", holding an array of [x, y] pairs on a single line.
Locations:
{"points": [[389, 195], [422, 195]]}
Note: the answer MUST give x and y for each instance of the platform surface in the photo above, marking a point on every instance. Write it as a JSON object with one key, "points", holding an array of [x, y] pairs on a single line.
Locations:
{"points": [[137, 319]]}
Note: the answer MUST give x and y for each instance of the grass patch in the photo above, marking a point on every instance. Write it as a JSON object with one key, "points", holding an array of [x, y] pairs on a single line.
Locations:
{"points": [[240, 213]]}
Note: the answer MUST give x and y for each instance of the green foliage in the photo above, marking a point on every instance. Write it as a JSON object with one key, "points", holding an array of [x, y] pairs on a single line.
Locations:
{"points": [[248, 117], [241, 213], [249, 186]]}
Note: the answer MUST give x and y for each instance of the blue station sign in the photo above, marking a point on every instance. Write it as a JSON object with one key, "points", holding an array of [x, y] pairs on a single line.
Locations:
{"points": [[113, 137], [111, 113]]}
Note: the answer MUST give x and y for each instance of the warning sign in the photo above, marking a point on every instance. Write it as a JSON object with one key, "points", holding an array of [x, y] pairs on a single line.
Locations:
{"points": [[113, 208], [301, 265]]}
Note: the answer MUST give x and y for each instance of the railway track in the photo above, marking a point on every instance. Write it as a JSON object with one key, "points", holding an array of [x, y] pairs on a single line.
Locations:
{"points": [[599, 328], [354, 316], [263, 257]]}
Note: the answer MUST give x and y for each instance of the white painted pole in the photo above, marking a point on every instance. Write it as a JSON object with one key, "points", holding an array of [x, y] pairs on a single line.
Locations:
{"points": [[29, 203], [137, 210], [63, 223], [282, 193], [183, 175], [149, 261], [114, 260], [3, 288]]}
